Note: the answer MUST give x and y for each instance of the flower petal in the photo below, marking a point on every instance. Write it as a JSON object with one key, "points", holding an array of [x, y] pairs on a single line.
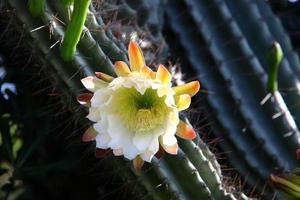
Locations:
{"points": [[163, 75], [190, 88], [92, 83], [121, 68], [89, 135], [104, 77], [101, 153], [171, 149], [184, 131], [148, 72], [121, 137], [147, 156], [136, 58], [138, 163], [85, 99], [146, 141], [183, 101], [103, 138], [118, 152], [148, 144], [94, 114]]}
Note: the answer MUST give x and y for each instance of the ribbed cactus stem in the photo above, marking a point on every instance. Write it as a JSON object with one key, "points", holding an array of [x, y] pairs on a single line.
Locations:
{"points": [[163, 179], [275, 56], [36, 7], [74, 29]]}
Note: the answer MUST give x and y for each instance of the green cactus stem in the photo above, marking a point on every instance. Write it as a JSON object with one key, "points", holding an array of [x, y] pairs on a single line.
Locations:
{"points": [[74, 29], [275, 56], [67, 2], [162, 179], [36, 7]]}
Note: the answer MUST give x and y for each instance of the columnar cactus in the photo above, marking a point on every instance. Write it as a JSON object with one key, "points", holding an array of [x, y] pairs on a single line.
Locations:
{"points": [[193, 173], [226, 43]]}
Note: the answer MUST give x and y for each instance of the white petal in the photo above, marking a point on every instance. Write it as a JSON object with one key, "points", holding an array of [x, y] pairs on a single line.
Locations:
{"points": [[92, 83], [142, 141], [94, 114], [101, 97], [129, 150], [147, 156], [117, 132], [151, 151], [102, 141], [118, 152], [168, 138], [103, 138]]}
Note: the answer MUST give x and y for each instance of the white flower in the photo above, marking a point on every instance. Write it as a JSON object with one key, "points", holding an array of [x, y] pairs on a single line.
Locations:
{"points": [[138, 112]]}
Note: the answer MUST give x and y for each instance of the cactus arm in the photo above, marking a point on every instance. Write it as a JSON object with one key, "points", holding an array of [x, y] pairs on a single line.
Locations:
{"points": [[87, 47], [108, 32], [208, 172], [258, 16], [74, 29], [108, 45], [240, 71], [280, 35], [220, 99], [261, 124], [67, 2], [184, 177], [255, 14], [36, 7], [156, 183]]}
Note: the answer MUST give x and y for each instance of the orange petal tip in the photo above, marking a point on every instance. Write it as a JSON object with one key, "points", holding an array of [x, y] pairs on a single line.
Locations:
{"points": [[163, 74], [146, 71], [183, 101], [184, 131], [136, 57], [121, 68], [190, 88], [171, 149]]}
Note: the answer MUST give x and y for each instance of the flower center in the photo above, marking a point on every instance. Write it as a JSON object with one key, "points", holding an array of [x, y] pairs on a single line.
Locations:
{"points": [[140, 113], [143, 119]]}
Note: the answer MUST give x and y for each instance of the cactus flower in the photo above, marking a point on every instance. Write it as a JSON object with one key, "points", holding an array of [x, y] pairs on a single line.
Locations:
{"points": [[137, 113]]}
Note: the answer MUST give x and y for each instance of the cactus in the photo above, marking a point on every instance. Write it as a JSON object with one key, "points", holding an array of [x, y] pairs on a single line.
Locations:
{"points": [[194, 173], [227, 42]]}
